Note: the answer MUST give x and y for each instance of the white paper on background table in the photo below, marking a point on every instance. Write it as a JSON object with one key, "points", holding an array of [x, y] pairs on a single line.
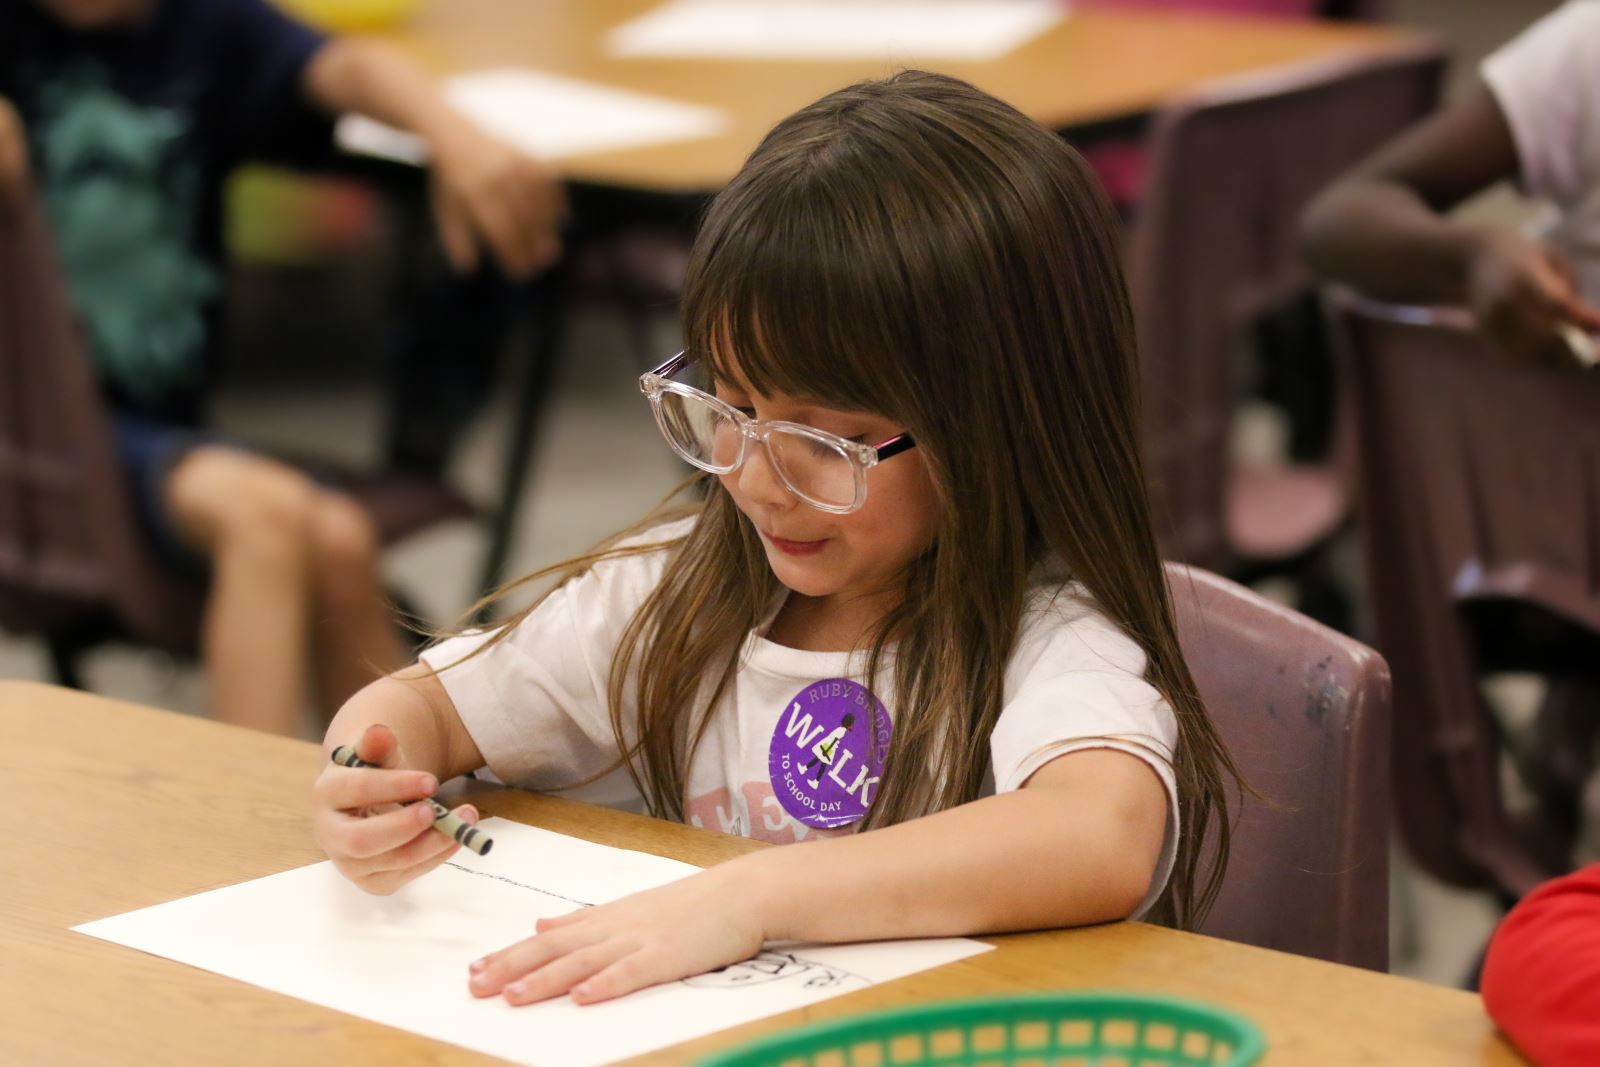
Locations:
{"points": [[402, 959], [545, 115], [836, 29]]}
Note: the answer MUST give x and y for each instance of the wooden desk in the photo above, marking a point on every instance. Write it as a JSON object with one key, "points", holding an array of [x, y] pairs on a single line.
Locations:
{"points": [[122, 807], [1095, 64]]}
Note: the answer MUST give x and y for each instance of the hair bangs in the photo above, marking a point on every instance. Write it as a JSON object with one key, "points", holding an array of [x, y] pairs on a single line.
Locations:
{"points": [[789, 292]]}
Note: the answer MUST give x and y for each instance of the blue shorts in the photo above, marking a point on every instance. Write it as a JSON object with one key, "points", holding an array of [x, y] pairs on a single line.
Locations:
{"points": [[149, 450]]}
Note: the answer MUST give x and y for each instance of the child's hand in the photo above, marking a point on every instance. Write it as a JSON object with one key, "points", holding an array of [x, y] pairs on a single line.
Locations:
{"points": [[357, 819], [1522, 293], [679, 930], [487, 193], [13, 153]]}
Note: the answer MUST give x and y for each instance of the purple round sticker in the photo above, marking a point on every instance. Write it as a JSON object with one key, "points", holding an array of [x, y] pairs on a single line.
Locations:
{"points": [[827, 753]]}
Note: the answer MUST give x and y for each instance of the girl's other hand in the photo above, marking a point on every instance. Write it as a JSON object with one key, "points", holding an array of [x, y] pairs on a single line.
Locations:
{"points": [[1522, 294], [676, 931], [358, 820]]}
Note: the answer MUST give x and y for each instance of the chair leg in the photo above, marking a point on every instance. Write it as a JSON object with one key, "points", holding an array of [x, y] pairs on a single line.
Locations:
{"points": [[64, 662], [549, 329]]}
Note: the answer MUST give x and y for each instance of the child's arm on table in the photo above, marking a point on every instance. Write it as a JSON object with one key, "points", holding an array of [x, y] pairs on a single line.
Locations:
{"points": [[1077, 844], [407, 725], [485, 191]]}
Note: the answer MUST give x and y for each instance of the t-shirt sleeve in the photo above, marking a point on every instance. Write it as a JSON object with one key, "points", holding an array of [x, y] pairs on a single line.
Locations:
{"points": [[1077, 682], [536, 701], [1547, 83], [270, 117], [1541, 977]]}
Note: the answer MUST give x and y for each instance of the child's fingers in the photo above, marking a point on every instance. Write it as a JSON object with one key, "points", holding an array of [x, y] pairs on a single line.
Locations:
{"points": [[351, 789], [637, 970], [405, 864], [492, 974], [455, 233], [558, 921], [365, 837], [560, 975], [512, 245], [422, 854], [379, 746], [1582, 313]]}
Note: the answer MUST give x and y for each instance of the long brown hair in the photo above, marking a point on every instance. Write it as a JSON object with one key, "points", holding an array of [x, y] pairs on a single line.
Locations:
{"points": [[916, 248]]}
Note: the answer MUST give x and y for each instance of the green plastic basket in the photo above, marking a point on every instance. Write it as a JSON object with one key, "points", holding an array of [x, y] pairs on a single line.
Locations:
{"points": [[1049, 1030]]}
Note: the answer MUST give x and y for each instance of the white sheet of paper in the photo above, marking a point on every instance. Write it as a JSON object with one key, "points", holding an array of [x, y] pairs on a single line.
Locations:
{"points": [[402, 960], [836, 29], [545, 115]]}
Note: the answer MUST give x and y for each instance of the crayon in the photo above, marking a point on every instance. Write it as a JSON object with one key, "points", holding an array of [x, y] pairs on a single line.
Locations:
{"points": [[445, 821]]}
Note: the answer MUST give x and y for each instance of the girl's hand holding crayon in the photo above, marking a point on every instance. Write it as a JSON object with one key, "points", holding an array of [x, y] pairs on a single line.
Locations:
{"points": [[358, 820], [699, 924]]}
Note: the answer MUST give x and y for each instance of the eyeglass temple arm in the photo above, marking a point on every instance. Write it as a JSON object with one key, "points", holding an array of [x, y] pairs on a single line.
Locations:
{"points": [[894, 446], [673, 365]]}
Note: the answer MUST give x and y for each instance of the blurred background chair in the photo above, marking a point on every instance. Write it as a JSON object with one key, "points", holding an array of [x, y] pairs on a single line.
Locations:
{"points": [[1121, 161], [1213, 248], [1481, 515], [75, 567], [1305, 713]]}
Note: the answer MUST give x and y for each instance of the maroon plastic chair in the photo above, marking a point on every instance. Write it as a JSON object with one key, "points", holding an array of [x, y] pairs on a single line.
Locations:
{"points": [[75, 568], [1213, 247], [1122, 163], [1305, 713], [68, 538], [1481, 515]]}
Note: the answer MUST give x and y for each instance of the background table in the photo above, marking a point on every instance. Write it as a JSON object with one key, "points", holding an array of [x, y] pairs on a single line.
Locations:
{"points": [[1094, 65], [119, 807]]}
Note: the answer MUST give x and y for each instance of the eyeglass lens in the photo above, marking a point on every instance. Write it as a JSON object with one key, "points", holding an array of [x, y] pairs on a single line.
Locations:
{"points": [[811, 466]]}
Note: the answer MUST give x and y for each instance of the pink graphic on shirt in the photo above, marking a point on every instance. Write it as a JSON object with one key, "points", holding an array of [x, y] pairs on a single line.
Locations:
{"points": [[759, 816], [716, 811], [827, 753]]}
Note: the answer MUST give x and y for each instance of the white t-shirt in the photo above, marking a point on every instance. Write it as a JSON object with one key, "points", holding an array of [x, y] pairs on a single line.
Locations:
{"points": [[1547, 83], [794, 749]]}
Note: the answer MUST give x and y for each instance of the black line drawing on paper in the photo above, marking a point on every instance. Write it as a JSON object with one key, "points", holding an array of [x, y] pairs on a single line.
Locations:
{"points": [[776, 967], [519, 885]]}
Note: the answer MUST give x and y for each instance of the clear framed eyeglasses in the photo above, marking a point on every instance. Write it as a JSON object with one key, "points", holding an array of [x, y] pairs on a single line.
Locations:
{"points": [[825, 470]]}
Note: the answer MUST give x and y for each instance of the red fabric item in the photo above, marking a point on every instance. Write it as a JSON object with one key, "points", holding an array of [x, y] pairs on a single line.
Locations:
{"points": [[1541, 979]]}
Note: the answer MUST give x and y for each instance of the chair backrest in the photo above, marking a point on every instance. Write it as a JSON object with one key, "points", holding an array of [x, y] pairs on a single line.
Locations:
{"points": [[1304, 712], [1480, 477], [1231, 169], [70, 547]]}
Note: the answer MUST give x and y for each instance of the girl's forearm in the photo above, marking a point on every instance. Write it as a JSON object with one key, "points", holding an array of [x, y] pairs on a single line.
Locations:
{"points": [[1036, 858]]}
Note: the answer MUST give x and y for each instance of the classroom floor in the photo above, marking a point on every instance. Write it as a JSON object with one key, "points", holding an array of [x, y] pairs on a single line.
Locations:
{"points": [[578, 491]]}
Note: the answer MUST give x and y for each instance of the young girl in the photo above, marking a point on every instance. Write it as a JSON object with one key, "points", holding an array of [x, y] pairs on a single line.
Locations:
{"points": [[924, 536]]}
